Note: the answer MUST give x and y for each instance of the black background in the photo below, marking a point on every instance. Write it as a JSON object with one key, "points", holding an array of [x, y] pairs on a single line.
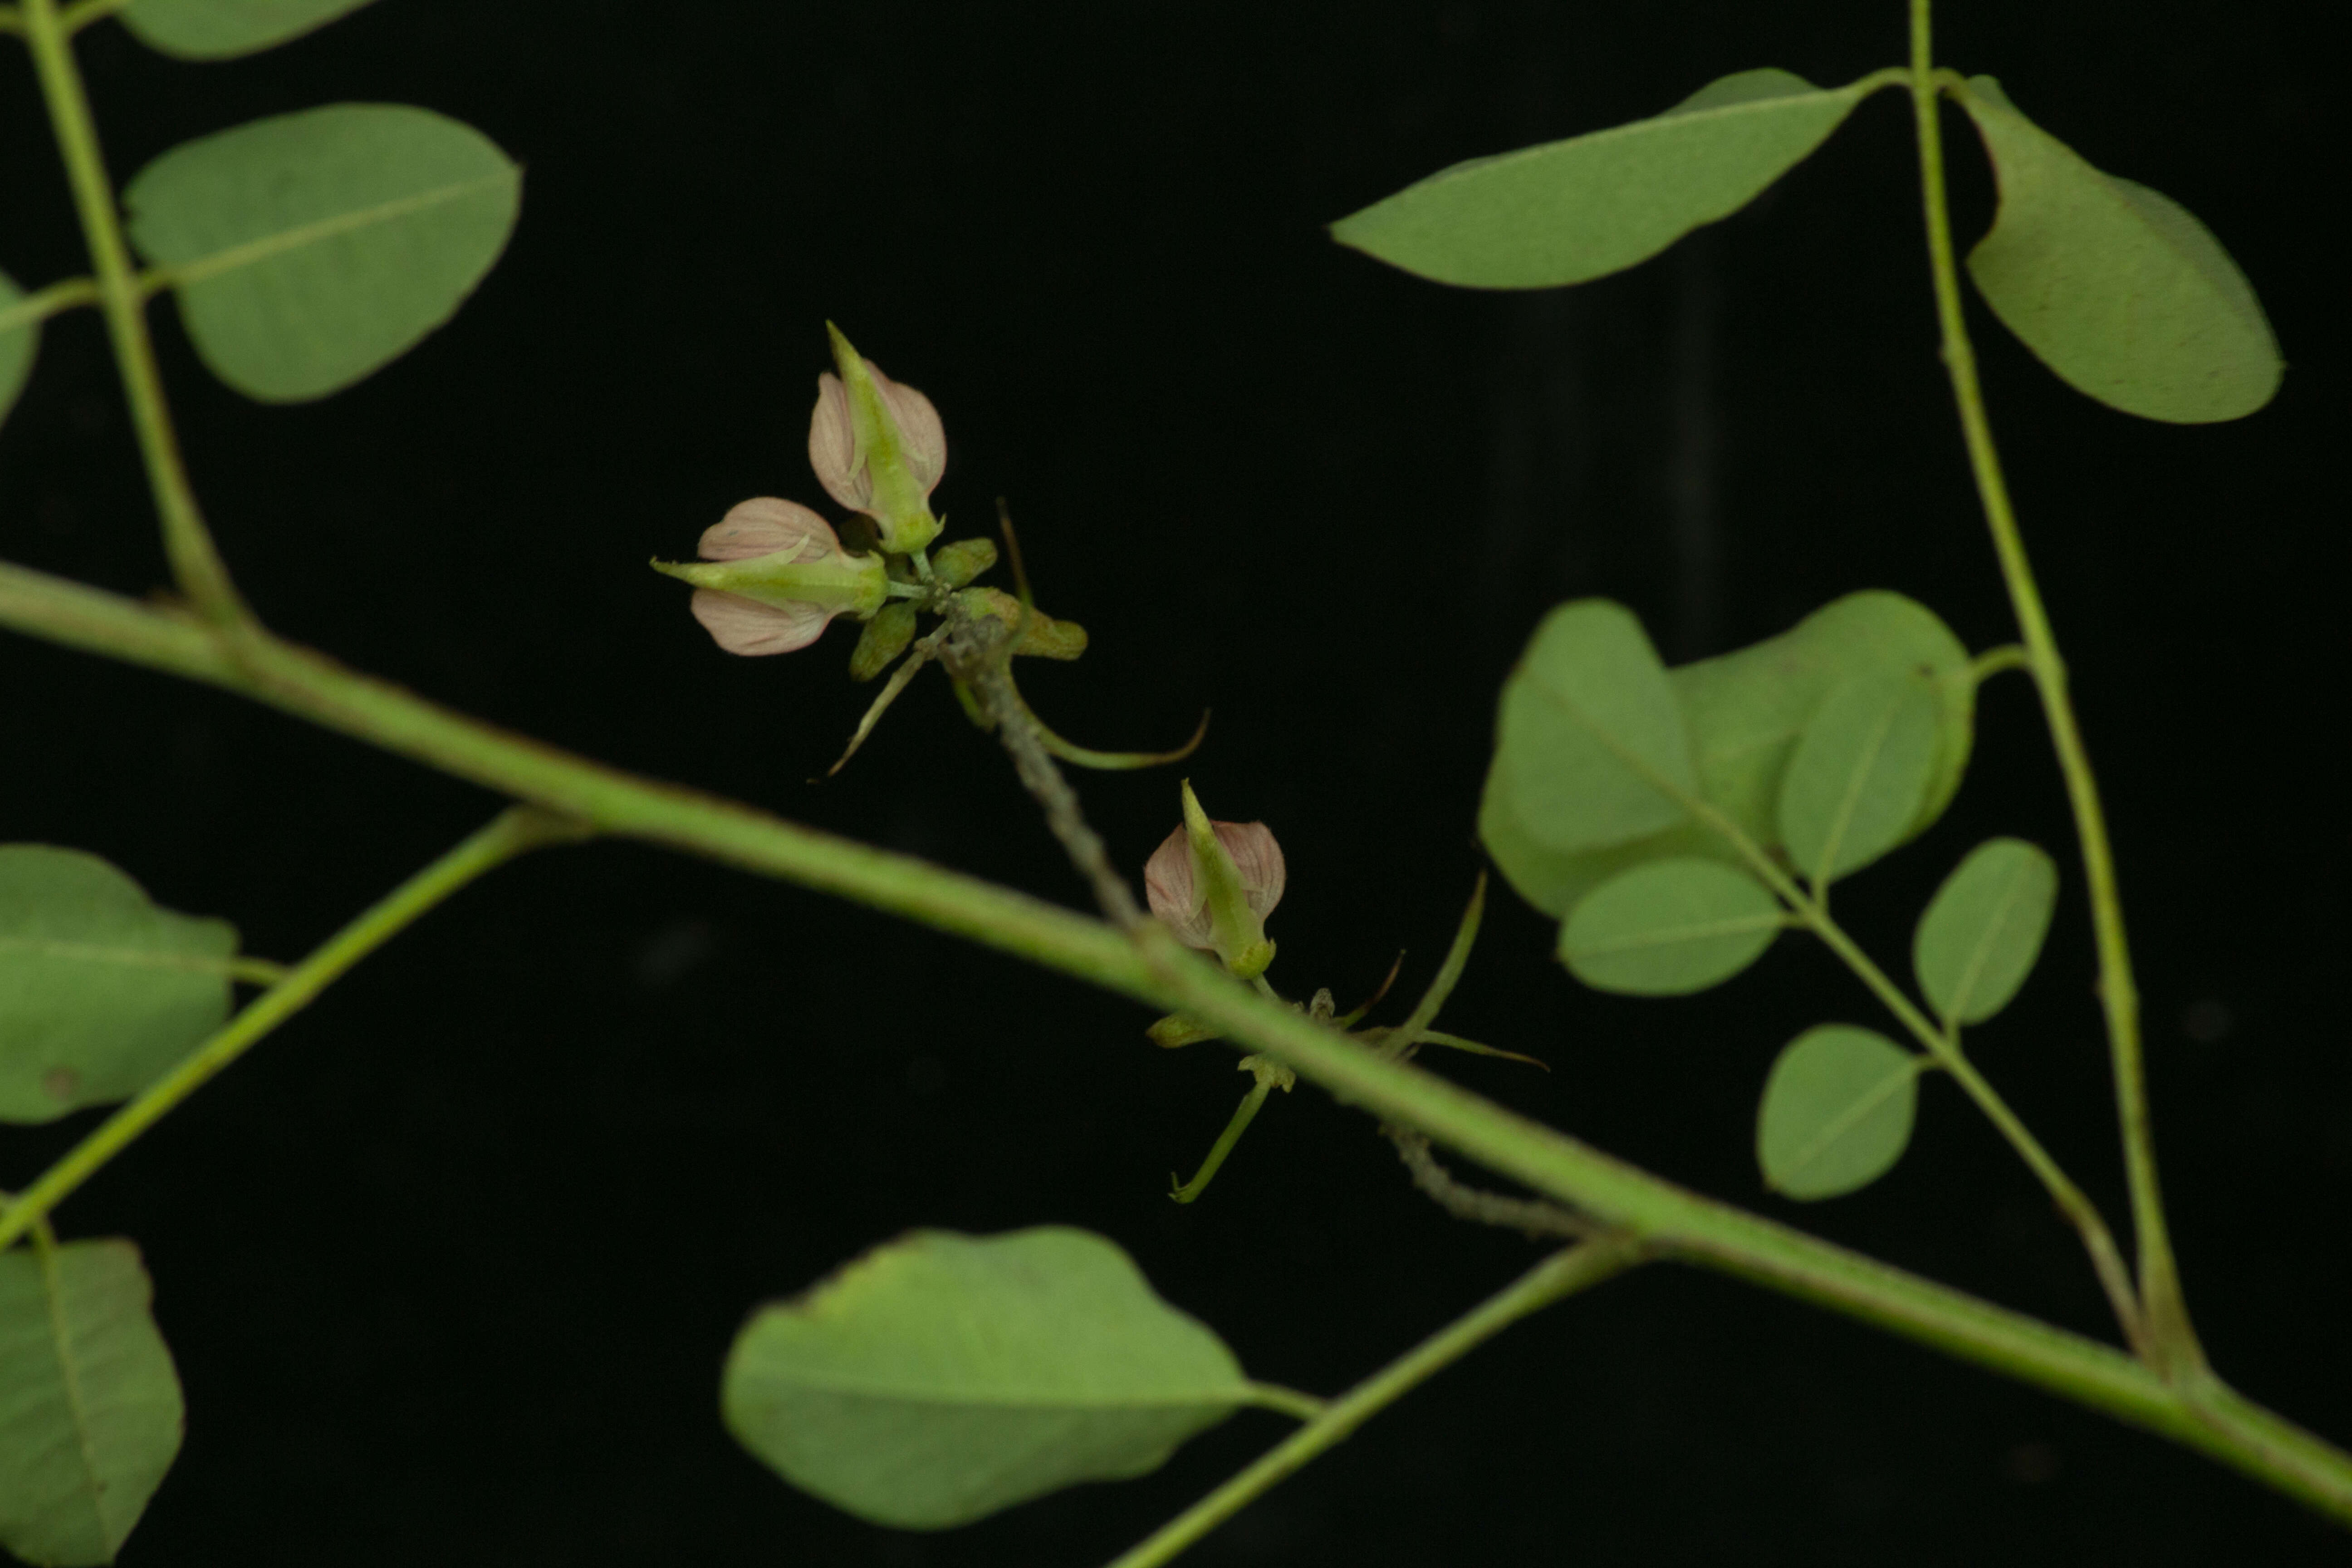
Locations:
{"points": [[450, 1263]]}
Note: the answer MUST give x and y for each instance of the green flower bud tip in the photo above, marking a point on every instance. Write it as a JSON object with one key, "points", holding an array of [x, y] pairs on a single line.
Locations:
{"points": [[1214, 883], [885, 636], [878, 447], [772, 574], [957, 564], [1041, 634]]}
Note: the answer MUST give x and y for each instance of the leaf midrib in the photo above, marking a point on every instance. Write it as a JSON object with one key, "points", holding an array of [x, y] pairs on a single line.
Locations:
{"points": [[253, 252]]}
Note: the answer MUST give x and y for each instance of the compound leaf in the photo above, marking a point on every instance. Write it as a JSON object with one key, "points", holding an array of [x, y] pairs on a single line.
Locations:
{"points": [[1745, 710], [1668, 928], [99, 989], [1590, 749], [91, 1412], [1982, 932], [1836, 1111], [1859, 771], [2116, 287], [308, 251], [223, 29], [1568, 211], [20, 339], [941, 1377]]}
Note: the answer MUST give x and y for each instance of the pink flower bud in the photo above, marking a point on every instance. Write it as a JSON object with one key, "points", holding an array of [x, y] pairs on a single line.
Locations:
{"points": [[776, 575], [843, 469], [1214, 883], [878, 447]]}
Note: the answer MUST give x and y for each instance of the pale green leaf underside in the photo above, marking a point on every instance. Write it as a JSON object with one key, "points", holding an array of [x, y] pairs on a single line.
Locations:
{"points": [[19, 341], [1590, 740], [941, 1377], [1983, 930], [100, 990], [1836, 1111], [309, 249], [1745, 710], [90, 1411], [1669, 928], [1860, 770], [222, 30], [1568, 211], [2116, 287]]}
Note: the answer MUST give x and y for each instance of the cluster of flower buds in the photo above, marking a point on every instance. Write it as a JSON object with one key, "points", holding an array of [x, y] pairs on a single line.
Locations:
{"points": [[774, 573]]}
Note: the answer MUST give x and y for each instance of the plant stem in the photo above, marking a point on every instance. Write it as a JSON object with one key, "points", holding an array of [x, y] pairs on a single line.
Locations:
{"points": [[82, 12], [2170, 1336], [196, 565], [1152, 968], [42, 303], [1811, 908], [2107, 1260], [1562, 1274], [1243, 1114], [508, 834], [1993, 660]]}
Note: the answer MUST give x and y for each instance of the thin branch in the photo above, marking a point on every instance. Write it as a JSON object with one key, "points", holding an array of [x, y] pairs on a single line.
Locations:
{"points": [[510, 833], [55, 299], [2161, 1304], [196, 564], [1562, 1274], [1531, 1215]]}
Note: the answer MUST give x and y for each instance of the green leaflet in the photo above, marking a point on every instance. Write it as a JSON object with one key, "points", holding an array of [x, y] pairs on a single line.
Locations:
{"points": [[1982, 932], [1669, 927], [941, 1377], [1745, 710], [222, 30], [90, 1410], [2116, 287], [308, 251], [1836, 1111], [99, 989], [1565, 212], [1589, 743], [19, 342], [1859, 774]]}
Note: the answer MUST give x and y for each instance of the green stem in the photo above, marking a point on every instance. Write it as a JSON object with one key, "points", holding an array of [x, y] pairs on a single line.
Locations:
{"points": [[1405, 1036], [510, 833], [196, 565], [2171, 1335], [1243, 1114], [1562, 1274], [82, 12], [42, 303], [1290, 1402], [1993, 660], [1812, 912], [2106, 1260], [1153, 969]]}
